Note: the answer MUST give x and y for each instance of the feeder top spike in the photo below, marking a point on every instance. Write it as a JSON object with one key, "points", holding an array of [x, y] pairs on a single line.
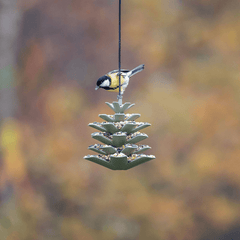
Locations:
{"points": [[120, 108]]}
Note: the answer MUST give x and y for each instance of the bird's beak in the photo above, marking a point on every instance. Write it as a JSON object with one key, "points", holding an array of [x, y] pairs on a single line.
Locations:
{"points": [[97, 87]]}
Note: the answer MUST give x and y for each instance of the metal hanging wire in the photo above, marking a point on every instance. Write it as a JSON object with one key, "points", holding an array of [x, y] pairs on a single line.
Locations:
{"points": [[119, 55]]}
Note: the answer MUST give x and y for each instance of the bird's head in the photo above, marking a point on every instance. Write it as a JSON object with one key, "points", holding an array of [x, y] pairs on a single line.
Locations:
{"points": [[103, 82]]}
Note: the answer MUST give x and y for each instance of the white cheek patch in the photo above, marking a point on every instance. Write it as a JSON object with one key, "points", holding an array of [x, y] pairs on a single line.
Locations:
{"points": [[106, 83]]}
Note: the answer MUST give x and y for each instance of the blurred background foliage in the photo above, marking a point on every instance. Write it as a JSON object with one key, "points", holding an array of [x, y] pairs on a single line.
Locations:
{"points": [[189, 91]]}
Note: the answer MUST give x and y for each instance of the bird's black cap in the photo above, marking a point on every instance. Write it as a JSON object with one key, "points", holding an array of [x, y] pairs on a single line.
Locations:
{"points": [[102, 79]]}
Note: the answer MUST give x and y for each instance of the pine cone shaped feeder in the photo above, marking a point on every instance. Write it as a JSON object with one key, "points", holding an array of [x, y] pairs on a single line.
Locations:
{"points": [[119, 135]]}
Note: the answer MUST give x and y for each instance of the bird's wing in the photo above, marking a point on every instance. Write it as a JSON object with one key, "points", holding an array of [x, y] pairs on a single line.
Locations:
{"points": [[122, 70]]}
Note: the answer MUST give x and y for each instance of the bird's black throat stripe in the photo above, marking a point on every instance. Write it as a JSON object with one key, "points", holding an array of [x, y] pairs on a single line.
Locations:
{"points": [[109, 88]]}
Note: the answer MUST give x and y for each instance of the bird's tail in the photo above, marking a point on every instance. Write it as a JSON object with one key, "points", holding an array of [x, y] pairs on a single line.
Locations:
{"points": [[136, 70]]}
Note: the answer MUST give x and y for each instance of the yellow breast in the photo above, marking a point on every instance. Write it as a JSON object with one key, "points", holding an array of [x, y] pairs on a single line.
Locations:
{"points": [[115, 82]]}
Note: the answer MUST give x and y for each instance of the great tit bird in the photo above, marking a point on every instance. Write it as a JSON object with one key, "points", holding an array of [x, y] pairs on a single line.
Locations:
{"points": [[110, 81]]}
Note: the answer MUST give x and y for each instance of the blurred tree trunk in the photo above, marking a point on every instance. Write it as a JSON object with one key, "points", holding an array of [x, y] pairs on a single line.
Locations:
{"points": [[10, 16]]}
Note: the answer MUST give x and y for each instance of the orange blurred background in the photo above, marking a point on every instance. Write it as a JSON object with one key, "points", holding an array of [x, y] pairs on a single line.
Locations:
{"points": [[51, 55]]}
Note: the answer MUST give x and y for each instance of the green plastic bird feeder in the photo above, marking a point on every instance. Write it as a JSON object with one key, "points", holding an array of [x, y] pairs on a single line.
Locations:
{"points": [[119, 135]]}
